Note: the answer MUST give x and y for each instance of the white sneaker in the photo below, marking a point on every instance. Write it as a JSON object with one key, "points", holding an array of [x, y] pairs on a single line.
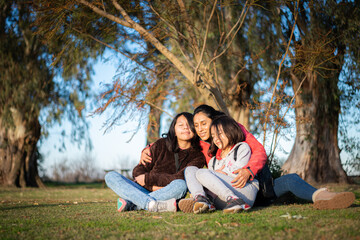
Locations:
{"points": [[163, 206]]}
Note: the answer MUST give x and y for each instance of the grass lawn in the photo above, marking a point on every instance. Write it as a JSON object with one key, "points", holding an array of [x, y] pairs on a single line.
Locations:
{"points": [[89, 212]]}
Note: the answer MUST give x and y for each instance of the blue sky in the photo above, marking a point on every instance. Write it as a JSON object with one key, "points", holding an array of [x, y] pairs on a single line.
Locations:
{"points": [[110, 149]]}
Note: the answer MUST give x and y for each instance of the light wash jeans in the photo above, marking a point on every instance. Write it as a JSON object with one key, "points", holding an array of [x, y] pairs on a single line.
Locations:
{"points": [[138, 195], [218, 184], [294, 184]]}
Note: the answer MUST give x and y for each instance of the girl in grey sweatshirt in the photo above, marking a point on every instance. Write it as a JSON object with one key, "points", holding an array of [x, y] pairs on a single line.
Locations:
{"points": [[230, 153]]}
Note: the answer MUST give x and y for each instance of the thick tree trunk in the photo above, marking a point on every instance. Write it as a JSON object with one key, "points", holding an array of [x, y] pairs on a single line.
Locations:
{"points": [[18, 153], [315, 154]]}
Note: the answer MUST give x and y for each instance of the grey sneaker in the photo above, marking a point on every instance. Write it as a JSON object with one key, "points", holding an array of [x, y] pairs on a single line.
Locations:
{"points": [[234, 205], [163, 206]]}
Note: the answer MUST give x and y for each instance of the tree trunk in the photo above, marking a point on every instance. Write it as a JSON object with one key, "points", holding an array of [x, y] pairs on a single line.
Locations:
{"points": [[153, 128], [18, 153], [242, 115], [315, 154]]}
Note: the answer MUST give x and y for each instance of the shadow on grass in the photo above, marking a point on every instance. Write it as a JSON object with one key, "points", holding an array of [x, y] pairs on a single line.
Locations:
{"points": [[97, 184], [48, 205]]}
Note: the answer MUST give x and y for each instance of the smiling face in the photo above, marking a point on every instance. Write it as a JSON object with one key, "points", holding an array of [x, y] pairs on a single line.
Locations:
{"points": [[182, 129], [219, 138], [202, 125]]}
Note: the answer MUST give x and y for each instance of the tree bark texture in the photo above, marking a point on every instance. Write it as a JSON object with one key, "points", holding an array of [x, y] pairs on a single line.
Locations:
{"points": [[153, 128], [315, 155], [18, 153], [317, 62]]}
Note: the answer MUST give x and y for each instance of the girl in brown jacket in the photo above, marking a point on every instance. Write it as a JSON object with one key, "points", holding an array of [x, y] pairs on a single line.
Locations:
{"points": [[159, 183]]}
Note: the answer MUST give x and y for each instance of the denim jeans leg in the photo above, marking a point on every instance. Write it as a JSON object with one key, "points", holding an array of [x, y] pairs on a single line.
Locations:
{"points": [[128, 189], [176, 189], [294, 184], [194, 186]]}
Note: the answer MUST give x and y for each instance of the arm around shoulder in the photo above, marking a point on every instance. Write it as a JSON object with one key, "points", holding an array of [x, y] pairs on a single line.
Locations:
{"points": [[258, 154]]}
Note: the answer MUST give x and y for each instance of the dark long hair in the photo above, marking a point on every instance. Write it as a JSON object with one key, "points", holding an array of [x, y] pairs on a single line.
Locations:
{"points": [[231, 129], [209, 111], [171, 139]]}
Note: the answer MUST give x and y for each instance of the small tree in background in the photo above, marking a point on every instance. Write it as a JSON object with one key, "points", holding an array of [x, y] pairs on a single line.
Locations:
{"points": [[75, 170]]}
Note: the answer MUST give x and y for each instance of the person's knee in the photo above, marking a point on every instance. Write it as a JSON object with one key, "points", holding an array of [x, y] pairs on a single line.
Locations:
{"points": [[181, 186], [292, 177], [201, 172], [110, 176], [190, 169]]}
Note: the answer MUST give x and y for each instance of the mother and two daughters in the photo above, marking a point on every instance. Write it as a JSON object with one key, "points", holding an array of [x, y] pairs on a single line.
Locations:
{"points": [[174, 164]]}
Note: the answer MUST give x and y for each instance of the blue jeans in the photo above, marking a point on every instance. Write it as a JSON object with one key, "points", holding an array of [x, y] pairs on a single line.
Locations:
{"points": [[294, 184], [136, 194]]}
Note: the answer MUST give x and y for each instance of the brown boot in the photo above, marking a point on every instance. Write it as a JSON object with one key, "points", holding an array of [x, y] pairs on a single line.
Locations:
{"points": [[186, 205], [323, 199]]}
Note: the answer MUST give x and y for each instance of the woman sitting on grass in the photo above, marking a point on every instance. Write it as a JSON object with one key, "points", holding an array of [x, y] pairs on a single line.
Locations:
{"points": [[322, 198], [159, 183], [230, 153]]}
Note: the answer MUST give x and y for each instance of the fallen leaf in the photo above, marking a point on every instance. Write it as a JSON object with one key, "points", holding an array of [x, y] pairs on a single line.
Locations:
{"points": [[288, 216]]}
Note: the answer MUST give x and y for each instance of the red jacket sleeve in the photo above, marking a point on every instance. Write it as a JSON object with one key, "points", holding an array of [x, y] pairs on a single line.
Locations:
{"points": [[258, 154], [205, 148]]}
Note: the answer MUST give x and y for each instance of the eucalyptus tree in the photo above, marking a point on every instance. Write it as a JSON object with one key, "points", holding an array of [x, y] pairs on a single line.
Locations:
{"points": [[35, 87], [201, 45], [324, 48]]}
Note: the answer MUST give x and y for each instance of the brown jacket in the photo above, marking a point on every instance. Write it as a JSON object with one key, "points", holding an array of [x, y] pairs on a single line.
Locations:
{"points": [[162, 169]]}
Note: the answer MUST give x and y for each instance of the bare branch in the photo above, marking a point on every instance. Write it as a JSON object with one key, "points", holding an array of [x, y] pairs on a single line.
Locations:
{"points": [[277, 128], [132, 58], [177, 32], [278, 74], [154, 41], [239, 22], [189, 28], [157, 107], [205, 38], [104, 14], [167, 23]]}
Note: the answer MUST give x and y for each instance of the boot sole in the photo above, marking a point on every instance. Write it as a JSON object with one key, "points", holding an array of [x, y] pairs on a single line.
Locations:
{"points": [[186, 205], [200, 207], [232, 210], [340, 200]]}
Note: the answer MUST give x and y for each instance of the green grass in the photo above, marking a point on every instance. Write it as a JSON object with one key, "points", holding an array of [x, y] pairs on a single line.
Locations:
{"points": [[89, 212]]}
